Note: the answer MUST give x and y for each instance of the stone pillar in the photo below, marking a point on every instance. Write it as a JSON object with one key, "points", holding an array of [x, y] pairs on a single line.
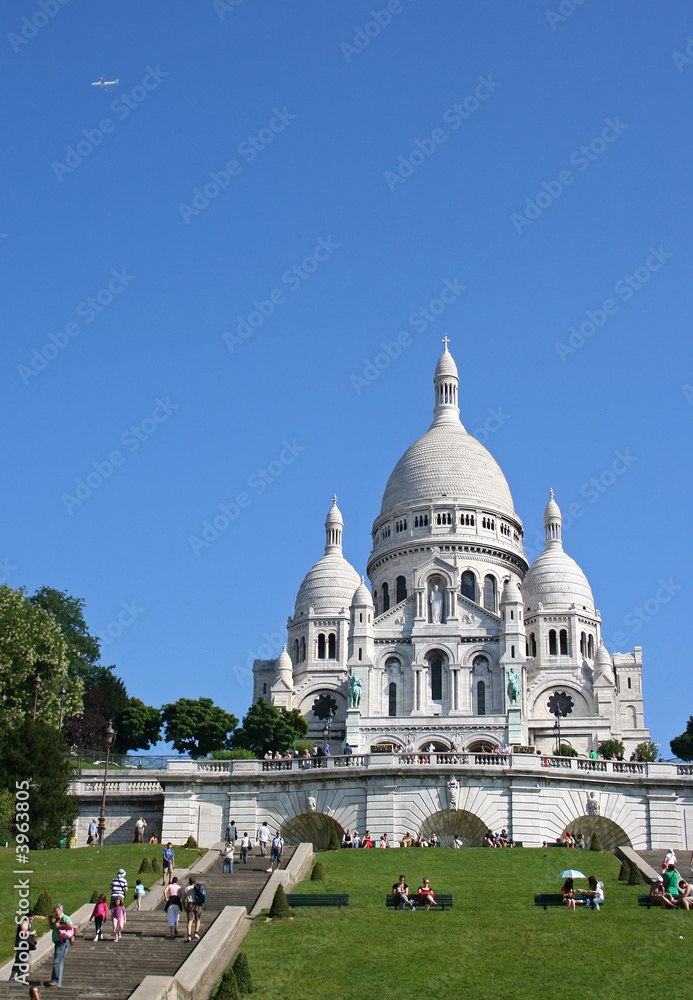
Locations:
{"points": [[353, 719], [452, 604], [465, 691], [515, 726]]}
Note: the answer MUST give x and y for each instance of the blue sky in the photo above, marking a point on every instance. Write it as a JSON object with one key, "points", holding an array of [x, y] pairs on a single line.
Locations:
{"points": [[307, 161]]}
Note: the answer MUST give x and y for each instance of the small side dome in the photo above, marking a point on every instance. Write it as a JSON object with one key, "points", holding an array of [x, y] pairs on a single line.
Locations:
{"points": [[511, 592], [554, 579], [284, 660], [362, 596], [329, 586]]}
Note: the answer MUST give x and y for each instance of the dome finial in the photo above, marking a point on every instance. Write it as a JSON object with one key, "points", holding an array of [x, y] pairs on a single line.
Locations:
{"points": [[446, 381], [333, 528], [553, 519]]}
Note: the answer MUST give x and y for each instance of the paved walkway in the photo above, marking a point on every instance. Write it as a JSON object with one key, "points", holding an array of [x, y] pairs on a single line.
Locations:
{"points": [[109, 970]]}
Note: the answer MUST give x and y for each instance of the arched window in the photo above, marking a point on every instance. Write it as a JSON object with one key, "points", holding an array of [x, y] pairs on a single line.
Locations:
{"points": [[332, 646], [629, 683], [532, 644], [480, 698], [392, 699], [583, 643], [401, 589], [552, 642], [631, 717], [303, 648], [386, 598], [490, 593], [296, 651], [264, 688], [436, 672], [468, 585], [590, 647], [375, 599], [512, 652], [563, 639], [321, 646], [360, 653]]}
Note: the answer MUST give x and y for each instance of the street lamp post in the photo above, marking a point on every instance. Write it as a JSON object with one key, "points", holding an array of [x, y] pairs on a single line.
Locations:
{"points": [[327, 728], [37, 687], [63, 692], [109, 736]]}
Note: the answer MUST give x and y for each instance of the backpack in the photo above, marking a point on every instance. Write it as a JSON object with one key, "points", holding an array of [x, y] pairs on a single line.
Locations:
{"points": [[200, 894]]}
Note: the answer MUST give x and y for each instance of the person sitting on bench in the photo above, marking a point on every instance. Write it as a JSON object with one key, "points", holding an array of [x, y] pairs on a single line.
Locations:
{"points": [[567, 892], [594, 895], [426, 895], [400, 892]]}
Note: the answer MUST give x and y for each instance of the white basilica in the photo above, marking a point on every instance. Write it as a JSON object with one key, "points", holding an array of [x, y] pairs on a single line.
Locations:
{"points": [[461, 643]]}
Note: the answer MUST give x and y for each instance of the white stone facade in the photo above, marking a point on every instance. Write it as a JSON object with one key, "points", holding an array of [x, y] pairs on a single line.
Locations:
{"points": [[455, 616]]}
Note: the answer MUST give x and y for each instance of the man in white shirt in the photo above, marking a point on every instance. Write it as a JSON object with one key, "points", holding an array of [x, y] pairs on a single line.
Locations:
{"points": [[246, 845], [263, 838]]}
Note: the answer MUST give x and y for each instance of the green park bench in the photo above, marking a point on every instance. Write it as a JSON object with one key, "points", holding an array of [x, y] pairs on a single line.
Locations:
{"points": [[443, 899], [651, 902], [318, 899], [554, 899]]}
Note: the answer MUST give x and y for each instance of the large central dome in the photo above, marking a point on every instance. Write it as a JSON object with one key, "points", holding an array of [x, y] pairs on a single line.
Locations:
{"points": [[447, 463]]}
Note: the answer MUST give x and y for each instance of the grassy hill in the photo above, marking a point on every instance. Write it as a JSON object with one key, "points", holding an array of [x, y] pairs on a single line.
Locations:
{"points": [[493, 944]]}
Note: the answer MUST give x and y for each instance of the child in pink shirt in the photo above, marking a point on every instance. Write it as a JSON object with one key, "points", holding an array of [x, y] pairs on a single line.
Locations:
{"points": [[118, 915], [99, 914]]}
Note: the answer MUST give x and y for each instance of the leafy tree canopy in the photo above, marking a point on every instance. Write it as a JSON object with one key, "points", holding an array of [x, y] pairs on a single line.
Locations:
{"points": [[139, 727], [31, 643], [198, 727], [83, 649], [682, 746], [266, 727], [610, 748], [37, 753], [647, 751]]}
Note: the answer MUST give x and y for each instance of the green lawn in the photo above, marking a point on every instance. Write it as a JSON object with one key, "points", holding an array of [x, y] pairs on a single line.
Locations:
{"points": [[71, 876], [494, 944]]}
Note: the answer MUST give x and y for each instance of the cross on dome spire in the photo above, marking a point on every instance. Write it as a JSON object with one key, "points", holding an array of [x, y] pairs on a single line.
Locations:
{"points": [[446, 341]]}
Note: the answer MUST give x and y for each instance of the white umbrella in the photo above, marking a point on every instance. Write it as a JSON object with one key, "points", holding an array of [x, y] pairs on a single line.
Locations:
{"points": [[571, 873]]}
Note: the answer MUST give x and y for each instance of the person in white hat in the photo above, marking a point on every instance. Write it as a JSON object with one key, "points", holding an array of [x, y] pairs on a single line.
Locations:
{"points": [[119, 886]]}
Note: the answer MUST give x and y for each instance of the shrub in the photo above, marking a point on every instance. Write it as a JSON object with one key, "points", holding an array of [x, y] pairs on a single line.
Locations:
{"points": [[44, 905], [595, 843], [241, 971], [146, 866], [609, 749], [94, 896], [318, 872], [635, 876], [190, 843], [280, 907], [239, 754], [334, 841], [156, 864], [228, 987], [624, 874], [647, 751]]}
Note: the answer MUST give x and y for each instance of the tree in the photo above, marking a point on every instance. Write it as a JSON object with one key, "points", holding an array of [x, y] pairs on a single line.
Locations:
{"points": [[241, 971], [682, 746], [83, 649], [139, 727], [36, 753], [595, 843], [280, 906], [31, 643], [647, 751], [610, 748], [197, 727], [268, 728]]}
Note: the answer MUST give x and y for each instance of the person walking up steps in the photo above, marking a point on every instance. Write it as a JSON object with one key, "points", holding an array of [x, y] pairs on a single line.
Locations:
{"points": [[139, 893], [99, 914], [169, 858], [263, 838], [246, 845], [119, 886], [172, 895], [194, 899], [119, 917], [277, 851]]}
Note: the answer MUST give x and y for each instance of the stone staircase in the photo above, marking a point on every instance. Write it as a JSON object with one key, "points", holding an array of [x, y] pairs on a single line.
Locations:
{"points": [[109, 970]]}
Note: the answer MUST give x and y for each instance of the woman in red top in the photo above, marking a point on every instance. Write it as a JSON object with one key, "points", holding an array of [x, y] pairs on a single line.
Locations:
{"points": [[426, 895], [567, 891]]}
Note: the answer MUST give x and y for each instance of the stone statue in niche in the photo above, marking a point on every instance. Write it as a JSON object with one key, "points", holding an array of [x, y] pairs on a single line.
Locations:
{"points": [[436, 602], [311, 804], [452, 788], [592, 804]]}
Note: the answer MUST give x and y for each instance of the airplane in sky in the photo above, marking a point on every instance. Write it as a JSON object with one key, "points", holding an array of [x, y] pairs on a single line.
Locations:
{"points": [[103, 82]]}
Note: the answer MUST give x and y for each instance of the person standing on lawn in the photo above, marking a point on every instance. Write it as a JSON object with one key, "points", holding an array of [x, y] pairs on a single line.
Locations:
{"points": [[63, 933], [140, 827]]}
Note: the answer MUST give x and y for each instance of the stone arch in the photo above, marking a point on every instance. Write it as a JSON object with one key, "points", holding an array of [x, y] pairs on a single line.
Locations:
{"points": [[483, 744], [610, 833], [441, 744], [451, 823], [311, 828], [582, 709]]}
